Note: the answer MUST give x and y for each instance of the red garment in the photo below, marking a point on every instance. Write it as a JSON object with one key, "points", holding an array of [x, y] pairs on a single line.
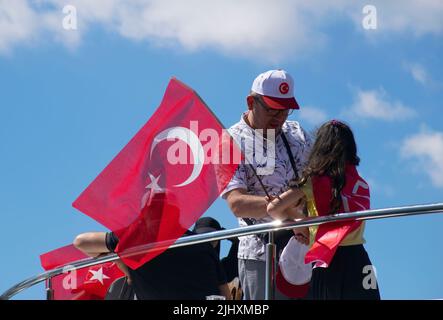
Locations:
{"points": [[143, 196], [355, 197]]}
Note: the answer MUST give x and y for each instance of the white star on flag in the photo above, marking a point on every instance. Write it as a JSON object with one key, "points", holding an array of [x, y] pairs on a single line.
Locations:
{"points": [[154, 183], [98, 275]]}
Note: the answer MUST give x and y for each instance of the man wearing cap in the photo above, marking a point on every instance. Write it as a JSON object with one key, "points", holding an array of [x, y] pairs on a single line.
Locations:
{"points": [[269, 103]]}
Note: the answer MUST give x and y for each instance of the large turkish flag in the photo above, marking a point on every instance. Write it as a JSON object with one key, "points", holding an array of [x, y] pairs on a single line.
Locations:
{"points": [[165, 178]]}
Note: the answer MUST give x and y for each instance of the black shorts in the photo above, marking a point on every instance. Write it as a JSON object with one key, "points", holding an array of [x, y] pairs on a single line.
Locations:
{"points": [[346, 278]]}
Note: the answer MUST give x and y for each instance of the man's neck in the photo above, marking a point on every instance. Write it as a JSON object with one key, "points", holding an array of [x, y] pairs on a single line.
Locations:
{"points": [[249, 119], [250, 122]]}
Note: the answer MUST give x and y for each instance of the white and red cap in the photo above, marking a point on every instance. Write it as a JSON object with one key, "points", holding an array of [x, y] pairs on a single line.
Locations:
{"points": [[277, 89], [293, 275]]}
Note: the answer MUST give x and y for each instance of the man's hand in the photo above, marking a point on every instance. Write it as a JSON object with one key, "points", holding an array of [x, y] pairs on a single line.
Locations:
{"points": [[293, 212], [125, 270]]}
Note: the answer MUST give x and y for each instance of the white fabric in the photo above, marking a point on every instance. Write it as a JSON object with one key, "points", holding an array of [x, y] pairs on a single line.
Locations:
{"points": [[292, 263]]}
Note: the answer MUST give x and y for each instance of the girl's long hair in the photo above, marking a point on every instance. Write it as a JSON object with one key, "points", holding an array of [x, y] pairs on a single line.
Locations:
{"points": [[333, 149]]}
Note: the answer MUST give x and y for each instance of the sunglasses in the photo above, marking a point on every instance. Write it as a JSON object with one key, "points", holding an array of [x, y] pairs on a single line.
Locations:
{"points": [[273, 112]]}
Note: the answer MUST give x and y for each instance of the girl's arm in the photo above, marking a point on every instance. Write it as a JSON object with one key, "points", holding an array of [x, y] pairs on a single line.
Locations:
{"points": [[280, 207]]}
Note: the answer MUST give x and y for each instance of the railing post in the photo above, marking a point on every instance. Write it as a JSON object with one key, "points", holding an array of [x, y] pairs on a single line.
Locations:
{"points": [[270, 268], [49, 290]]}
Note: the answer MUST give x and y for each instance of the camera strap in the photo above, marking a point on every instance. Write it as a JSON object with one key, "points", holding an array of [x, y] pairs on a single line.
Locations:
{"points": [[250, 221]]}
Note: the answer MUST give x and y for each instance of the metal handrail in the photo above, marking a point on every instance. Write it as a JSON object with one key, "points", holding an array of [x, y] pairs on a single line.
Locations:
{"points": [[225, 234]]}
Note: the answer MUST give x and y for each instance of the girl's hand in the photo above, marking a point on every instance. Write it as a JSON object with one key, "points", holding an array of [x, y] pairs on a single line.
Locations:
{"points": [[297, 210], [301, 204], [271, 198]]}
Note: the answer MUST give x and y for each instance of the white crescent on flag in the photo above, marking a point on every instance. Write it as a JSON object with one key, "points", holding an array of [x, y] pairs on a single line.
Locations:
{"points": [[192, 140]]}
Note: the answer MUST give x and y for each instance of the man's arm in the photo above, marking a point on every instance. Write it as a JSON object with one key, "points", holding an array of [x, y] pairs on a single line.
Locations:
{"points": [[93, 244], [244, 205]]}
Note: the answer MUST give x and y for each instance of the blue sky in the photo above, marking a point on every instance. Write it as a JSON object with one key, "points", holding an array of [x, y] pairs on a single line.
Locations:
{"points": [[71, 99]]}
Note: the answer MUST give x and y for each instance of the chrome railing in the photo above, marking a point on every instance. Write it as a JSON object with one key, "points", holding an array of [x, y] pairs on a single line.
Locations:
{"points": [[225, 234]]}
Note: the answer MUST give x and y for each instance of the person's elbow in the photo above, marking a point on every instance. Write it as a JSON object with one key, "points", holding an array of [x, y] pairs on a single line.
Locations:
{"points": [[85, 241], [235, 204], [243, 205], [80, 241]]}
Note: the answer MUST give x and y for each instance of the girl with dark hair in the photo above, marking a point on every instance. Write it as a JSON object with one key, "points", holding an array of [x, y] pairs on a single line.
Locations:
{"points": [[330, 184]]}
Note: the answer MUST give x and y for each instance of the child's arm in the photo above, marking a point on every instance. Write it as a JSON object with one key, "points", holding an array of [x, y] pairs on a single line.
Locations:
{"points": [[278, 208]]}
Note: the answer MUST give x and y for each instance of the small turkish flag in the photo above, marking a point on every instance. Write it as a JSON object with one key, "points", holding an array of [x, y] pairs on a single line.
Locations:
{"points": [[165, 178], [83, 284]]}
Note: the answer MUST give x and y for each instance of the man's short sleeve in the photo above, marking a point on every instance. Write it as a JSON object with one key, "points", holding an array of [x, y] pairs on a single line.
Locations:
{"points": [[238, 181], [111, 241]]}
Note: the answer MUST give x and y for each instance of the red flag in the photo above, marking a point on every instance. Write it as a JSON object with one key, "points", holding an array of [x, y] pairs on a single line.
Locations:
{"points": [[166, 177], [355, 197], [84, 284]]}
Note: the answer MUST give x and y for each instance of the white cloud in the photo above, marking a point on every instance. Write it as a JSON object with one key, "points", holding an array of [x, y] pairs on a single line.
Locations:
{"points": [[421, 75], [415, 17], [22, 23], [427, 148], [254, 28], [374, 104], [311, 115], [234, 27], [17, 23], [269, 30], [380, 188]]}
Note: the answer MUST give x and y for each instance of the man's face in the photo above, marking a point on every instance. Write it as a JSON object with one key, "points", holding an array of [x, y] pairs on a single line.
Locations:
{"points": [[266, 118]]}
